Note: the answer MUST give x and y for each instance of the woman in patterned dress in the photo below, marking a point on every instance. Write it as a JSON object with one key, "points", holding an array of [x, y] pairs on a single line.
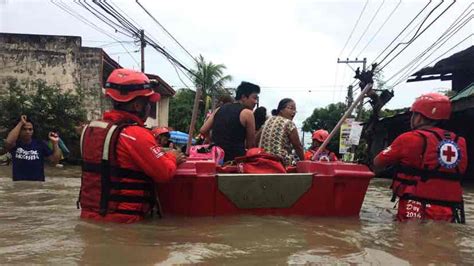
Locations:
{"points": [[279, 135]]}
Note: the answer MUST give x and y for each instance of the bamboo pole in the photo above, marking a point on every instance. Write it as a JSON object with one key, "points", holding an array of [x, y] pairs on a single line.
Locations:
{"points": [[360, 98], [193, 118]]}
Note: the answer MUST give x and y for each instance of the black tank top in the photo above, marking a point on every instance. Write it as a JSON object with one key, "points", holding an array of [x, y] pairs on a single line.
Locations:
{"points": [[227, 131]]}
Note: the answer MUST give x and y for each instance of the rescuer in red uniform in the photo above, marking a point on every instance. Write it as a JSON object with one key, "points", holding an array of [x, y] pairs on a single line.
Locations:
{"points": [[121, 159], [429, 163], [319, 136]]}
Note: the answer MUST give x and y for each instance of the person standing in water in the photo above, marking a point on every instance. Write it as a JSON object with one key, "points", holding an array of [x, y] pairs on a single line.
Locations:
{"points": [[121, 160], [28, 153], [429, 163]]}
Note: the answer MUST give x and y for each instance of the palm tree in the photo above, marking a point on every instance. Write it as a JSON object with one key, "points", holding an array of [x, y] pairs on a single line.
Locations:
{"points": [[210, 77]]}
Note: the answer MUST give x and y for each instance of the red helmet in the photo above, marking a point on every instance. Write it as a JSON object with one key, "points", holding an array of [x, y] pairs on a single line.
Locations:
{"points": [[320, 135], [124, 85], [160, 130], [433, 105]]}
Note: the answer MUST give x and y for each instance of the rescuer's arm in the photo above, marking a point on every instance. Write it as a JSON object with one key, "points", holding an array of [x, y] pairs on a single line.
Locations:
{"points": [[393, 154], [140, 144]]}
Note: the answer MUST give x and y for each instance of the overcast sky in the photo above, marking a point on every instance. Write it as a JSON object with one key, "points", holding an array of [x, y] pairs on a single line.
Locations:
{"points": [[290, 48]]}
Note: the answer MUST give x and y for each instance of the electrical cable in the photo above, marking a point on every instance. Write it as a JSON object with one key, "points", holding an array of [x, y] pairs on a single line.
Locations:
{"points": [[353, 29], [456, 45], [379, 29], [367, 28], [172, 37], [90, 24], [415, 63], [416, 34], [403, 30]]}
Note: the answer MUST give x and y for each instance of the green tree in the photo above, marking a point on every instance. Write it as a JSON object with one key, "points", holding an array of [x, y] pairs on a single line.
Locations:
{"points": [[181, 106], [211, 78], [326, 118], [49, 107]]}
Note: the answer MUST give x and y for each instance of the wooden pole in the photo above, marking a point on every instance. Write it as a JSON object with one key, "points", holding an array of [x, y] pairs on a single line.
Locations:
{"points": [[142, 49], [193, 118], [360, 98]]}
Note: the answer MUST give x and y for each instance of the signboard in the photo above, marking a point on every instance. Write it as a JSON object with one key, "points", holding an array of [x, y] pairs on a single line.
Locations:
{"points": [[356, 132], [344, 144], [351, 131]]}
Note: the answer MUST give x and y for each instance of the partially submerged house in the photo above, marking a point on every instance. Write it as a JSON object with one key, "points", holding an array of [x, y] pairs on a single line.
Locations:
{"points": [[459, 68], [63, 61]]}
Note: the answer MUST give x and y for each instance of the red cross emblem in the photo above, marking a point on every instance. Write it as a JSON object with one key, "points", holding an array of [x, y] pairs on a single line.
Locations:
{"points": [[448, 154]]}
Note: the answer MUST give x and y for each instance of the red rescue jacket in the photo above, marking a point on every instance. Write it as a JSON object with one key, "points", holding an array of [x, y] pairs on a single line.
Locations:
{"points": [[121, 162], [437, 180]]}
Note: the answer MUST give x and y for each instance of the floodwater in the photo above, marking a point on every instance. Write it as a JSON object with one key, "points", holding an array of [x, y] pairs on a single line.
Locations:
{"points": [[39, 224]]}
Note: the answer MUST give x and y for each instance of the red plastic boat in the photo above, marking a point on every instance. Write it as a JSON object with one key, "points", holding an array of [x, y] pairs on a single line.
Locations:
{"points": [[315, 189]]}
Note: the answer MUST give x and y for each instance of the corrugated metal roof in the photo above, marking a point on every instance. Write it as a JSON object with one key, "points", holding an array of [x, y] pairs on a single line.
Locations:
{"points": [[465, 93], [458, 61]]}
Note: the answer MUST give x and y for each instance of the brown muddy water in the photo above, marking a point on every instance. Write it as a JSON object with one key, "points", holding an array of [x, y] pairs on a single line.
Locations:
{"points": [[39, 224]]}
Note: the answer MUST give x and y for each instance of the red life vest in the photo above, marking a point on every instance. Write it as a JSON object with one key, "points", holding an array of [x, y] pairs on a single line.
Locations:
{"points": [[325, 156], [107, 188], [438, 181], [257, 161]]}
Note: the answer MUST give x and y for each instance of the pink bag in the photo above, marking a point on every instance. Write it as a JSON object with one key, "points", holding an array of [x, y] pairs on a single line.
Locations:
{"points": [[207, 152]]}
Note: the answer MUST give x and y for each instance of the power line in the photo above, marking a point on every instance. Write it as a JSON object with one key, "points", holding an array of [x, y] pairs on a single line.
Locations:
{"points": [[414, 35], [81, 18], [380, 28], [403, 30], [353, 29], [367, 28], [111, 11], [177, 73], [110, 44], [417, 35], [136, 51], [118, 15], [172, 37], [101, 17], [447, 35], [87, 40], [450, 49], [119, 9]]}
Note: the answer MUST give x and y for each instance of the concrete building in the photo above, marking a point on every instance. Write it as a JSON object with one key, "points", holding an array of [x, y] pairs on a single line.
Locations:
{"points": [[63, 61]]}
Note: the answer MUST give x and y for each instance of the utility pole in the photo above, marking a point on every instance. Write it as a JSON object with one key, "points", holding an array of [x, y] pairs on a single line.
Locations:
{"points": [[142, 46], [302, 137], [350, 91], [350, 95]]}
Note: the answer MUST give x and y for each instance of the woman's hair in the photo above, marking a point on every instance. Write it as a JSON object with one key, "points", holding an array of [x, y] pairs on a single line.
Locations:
{"points": [[260, 115], [223, 99], [281, 105]]}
